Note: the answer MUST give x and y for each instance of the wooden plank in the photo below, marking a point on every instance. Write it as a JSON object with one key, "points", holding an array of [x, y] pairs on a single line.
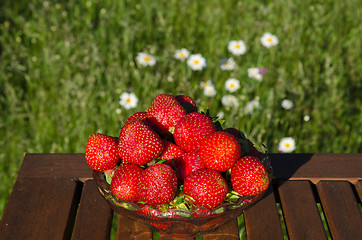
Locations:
{"points": [[315, 167], [94, 218], [128, 229], [300, 211], [229, 231], [40, 209], [359, 189], [262, 220], [59, 165], [341, 209]]}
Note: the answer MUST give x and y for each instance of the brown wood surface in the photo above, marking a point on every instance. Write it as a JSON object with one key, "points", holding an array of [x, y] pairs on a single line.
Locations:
{"points": [[262, 219], [359, 190], [128, 229], [40, 209], [94, 218], [59, 165], [341, 209], [299, 206], [229, 231], [315, 167]]}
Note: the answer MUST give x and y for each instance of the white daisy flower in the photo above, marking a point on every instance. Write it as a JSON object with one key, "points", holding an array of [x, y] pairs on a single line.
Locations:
{"points": [[269, 40], [207, 84], [287, 104], [196, 62], [237, 47], [227, 64], [182, 54], [286, 145], [128, 100], [232, 84], [210, 91], [255, 74], [306, 118], [251, 106], [146, 59], [229, 101]]}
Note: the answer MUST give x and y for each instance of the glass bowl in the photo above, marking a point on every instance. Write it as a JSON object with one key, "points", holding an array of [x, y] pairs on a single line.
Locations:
{"points": [[177, 222]]}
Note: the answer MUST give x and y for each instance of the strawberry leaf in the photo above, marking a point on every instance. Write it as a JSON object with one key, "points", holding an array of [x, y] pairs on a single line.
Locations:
{"points": [[108, 178]]}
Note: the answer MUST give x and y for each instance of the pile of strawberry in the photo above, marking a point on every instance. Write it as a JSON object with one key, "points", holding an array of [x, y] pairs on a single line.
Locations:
{"points": [[173, 152]]}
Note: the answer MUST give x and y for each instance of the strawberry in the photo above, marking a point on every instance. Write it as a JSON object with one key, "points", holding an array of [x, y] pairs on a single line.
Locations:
{"points": [[157, 185], [249, 177], [139, 143], [101, 152], [219, 151], [137, 115], [171, 152], [191, 130], [189, 163], [206, 186], [125, 180], [165, 112], [187, 103]]}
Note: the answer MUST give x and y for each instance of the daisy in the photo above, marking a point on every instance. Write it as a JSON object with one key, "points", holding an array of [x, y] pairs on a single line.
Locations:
{"points": [[196, 62], [207, 84], [229, 101], [306, 118], [237, 47], [182, 54], [146, 59], [269, 40], [286, 145], [255, 74], [287, 104], [232, 84], [210, 91], [128, 100], [227, 64], [251, 106]]}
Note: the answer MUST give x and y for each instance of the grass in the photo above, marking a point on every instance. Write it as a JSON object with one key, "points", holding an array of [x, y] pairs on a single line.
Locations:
{"points": [[63, 66]]}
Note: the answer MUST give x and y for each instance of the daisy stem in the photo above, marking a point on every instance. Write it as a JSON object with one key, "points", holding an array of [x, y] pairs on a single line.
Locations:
{"points": [[260, 58]]}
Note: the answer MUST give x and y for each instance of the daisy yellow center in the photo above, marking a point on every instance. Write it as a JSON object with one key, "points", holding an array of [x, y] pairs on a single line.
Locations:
{"points": [[147, 58], [232, 85], [128, 100], [287, 145], [226, 63], [196, 62], [181, 54], [237, 46], [270, 39]]}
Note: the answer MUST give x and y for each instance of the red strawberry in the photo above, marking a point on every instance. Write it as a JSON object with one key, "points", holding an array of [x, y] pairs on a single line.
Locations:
{"points": [[219, 151], [189, 163], [125, 180], [191, 130], [249, 177], [206, 186], [157, 185], [165, 112], [139, 143], [171, 152], [101, 152], [187, 103], [137, 115]]}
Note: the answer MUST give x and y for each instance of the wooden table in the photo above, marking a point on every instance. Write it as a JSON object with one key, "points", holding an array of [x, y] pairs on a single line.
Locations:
{"points": [[54, 197]]}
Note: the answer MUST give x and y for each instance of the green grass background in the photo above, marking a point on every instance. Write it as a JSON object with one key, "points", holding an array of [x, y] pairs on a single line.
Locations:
{"points": [[64, 64]]}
